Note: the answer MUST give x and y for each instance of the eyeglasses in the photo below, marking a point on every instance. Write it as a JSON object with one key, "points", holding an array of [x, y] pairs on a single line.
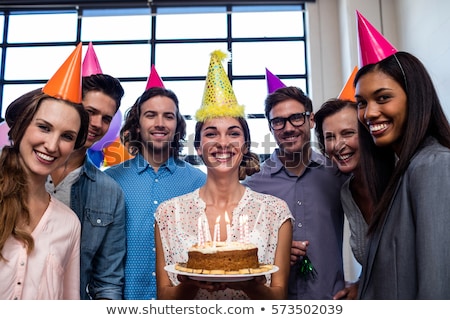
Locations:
{"points": [[296, 119]]}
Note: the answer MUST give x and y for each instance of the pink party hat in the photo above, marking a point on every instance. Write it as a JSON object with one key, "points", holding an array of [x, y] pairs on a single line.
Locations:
{"points": [[90, 63], [273, 82], [154, 80], [373, 47], [348, 91]]}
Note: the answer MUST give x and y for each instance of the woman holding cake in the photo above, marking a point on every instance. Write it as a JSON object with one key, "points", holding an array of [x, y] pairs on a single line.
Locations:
{"points": [[222, 139]]}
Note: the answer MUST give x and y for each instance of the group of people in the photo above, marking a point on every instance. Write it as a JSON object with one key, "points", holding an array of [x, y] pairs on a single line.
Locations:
{"points": [[69, 230]]}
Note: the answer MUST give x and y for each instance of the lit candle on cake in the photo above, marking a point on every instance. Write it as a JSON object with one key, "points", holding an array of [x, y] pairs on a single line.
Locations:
{"points": [[241, 229], [200, 235], [227, 220], [246, 235], [216, 232]]}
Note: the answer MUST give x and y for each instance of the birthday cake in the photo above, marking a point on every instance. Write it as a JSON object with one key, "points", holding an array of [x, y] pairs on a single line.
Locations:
{"points": [[223, 258]]}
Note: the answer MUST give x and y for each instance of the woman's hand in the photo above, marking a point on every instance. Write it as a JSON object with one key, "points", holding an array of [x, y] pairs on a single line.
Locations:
{"points": [[210, 286]]}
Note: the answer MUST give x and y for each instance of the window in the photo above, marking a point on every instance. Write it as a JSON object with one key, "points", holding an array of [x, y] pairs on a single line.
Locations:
{"points": [[178, 40]]}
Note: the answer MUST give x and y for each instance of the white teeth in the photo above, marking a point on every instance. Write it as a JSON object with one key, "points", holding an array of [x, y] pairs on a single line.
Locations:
{"points": [[45, 157], [344, 157], [377, 127], [223, 156]]}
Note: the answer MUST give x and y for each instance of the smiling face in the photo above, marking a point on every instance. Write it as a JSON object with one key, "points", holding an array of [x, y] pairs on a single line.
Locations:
{"points": [[101, 109], [291, 139], [158, 124], [50, 138], [341, 138], [382, 108], [222, 144]]}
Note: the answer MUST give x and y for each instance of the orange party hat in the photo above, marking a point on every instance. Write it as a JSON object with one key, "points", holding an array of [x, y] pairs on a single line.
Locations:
{"points": [[91, 65], [348, 91], [66, 82], [153, 79], [373, 46]]}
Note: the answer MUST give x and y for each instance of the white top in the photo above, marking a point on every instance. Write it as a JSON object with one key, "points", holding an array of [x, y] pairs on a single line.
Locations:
{"points": [[358, 226], [177, 220]]}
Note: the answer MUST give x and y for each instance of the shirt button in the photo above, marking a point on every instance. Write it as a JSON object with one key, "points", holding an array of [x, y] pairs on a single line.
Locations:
{"points": [[99, 221], [154, 274], [154, 249], [299, 202], [156, 180], [299, 225], [22, 263], [155, 202]]}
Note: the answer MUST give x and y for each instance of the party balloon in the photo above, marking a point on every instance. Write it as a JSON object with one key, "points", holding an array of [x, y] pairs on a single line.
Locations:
{"points": [[111, 134], [4, 139], [96, 157], [115, 153]]}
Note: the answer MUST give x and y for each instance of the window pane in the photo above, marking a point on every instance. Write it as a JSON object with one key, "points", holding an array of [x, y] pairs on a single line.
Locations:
{"points": [[2, 22], [133, 24], [42, 27], [267, 24], [185, 59], [252, 93], [30, 63], [12, 91], [285, 57], [191, 26], [133, 90], [262, 140], [189, 93], [124, 60]]}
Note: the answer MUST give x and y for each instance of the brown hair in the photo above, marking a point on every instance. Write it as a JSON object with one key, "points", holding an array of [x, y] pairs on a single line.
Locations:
{"points": [[13, 179]]}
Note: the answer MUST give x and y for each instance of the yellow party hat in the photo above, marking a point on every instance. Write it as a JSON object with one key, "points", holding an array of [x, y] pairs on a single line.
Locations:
{"points": [[218, 97]]}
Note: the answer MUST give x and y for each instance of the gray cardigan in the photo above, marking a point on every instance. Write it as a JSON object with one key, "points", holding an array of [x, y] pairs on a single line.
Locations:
{"points": [[410, 257]]}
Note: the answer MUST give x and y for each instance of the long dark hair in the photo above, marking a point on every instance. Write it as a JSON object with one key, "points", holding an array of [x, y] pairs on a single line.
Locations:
{"points": [[425, 117], [129, 133]]}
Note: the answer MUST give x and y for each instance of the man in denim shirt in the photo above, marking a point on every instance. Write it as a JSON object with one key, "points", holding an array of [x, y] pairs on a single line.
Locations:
{"points": [[95, 197]]}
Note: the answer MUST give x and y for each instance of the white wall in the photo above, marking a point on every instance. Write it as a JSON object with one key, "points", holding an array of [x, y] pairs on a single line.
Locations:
{"points": [[421, 27]]}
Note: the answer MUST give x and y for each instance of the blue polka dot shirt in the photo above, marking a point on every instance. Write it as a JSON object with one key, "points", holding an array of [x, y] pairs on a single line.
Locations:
{"points": [[144, 190]]}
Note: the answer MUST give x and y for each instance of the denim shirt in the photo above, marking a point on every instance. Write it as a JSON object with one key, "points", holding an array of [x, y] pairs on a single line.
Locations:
{"points": [[99, 203]]}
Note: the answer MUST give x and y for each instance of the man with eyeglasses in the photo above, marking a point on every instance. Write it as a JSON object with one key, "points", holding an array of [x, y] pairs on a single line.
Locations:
{"points": [[310, 184]]}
